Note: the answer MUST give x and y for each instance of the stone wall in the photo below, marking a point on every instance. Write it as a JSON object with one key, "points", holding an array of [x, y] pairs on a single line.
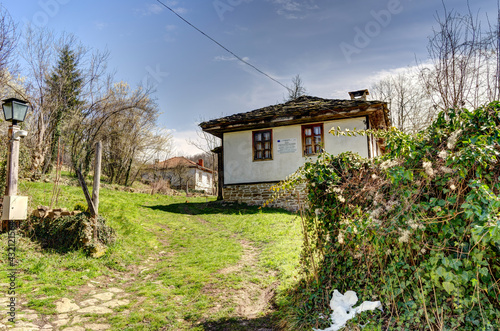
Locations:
{"points": [[258, 194]]}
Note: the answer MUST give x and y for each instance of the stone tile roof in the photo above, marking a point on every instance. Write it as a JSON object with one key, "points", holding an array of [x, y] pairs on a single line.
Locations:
{"points": [[300, 108]]}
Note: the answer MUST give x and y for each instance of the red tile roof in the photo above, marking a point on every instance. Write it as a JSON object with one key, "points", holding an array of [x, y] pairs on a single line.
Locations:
{"points": [[180, 161]]}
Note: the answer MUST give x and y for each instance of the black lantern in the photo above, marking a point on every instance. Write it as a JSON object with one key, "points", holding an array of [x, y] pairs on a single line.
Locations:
{"points": [[14, 110]]}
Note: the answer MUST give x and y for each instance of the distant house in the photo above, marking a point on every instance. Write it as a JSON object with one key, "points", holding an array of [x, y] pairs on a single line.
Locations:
{"points": [[264, 146], [181, 172]]}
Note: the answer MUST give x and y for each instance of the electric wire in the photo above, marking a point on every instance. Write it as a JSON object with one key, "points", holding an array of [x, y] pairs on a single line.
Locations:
{"points": [[224, 48]]}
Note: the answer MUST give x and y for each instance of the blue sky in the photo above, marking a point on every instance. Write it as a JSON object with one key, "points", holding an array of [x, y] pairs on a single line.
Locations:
{"points": [[336, 46]]}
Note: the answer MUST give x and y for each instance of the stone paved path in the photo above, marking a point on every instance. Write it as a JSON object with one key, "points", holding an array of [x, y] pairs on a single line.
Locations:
{"points": [[71, 315]]}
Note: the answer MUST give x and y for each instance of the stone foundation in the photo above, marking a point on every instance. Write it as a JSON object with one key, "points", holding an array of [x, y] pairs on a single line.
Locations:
{"points": [[258, 194]]}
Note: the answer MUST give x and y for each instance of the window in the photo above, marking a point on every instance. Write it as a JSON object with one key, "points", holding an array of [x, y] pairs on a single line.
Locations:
{"points": [[312, 139], [262, 145]]}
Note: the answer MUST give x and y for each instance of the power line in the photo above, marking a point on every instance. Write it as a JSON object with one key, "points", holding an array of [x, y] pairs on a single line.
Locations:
{"points": [[223, 47]]}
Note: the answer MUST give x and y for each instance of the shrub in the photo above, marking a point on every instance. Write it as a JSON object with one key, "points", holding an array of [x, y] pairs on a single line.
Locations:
{"points": [[161, 186], [80, 206], [418, 228], [68, 233]]}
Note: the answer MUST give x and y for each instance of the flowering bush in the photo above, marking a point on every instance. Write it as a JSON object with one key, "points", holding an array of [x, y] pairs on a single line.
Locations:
{"points": [[417, 228]]}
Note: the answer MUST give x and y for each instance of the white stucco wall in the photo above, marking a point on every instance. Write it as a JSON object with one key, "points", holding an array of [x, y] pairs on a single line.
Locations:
{"points": [[239, 166], [204, 181]]}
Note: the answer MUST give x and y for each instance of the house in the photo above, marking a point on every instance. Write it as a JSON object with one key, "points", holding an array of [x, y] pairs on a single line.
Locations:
{"points": [[181, 172], [264, 146]]}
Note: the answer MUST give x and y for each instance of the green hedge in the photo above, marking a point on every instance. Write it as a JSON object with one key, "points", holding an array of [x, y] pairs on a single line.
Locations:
{"points": [[418, 228]]}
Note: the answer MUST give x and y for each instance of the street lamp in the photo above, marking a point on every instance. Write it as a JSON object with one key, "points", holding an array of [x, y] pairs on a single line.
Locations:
{"points": [[14, 207], [14, 110]]}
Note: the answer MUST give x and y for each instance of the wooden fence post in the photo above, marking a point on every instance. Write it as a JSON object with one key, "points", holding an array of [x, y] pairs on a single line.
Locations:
{"points": [[97, 177]]}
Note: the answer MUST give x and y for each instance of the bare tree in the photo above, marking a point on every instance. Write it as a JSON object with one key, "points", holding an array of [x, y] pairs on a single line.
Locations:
{"points": [[179, 176], [410, 108], [8, 40], [124, 120], [38, 53], [464, 71], [297, 88], [464, 57]]}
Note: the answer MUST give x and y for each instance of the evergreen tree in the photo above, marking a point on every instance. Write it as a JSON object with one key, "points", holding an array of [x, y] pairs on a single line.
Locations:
{"points": [[64, 88]]}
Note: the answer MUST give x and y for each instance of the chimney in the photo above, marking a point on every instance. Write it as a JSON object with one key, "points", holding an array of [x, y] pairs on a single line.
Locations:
{"points": [[359, 95], [201, 163]]}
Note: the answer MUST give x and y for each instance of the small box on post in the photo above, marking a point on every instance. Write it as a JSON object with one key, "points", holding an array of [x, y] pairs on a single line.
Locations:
{"points": [[15, 208]]}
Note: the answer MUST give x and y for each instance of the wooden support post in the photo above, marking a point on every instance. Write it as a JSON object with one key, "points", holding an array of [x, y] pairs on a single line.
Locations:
{"points": [[97, 177], [86, 192], [220, 174]]}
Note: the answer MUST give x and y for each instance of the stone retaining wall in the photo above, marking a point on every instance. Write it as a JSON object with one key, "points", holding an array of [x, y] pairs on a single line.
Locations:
{"points": [[258, 194], [46, 212]]}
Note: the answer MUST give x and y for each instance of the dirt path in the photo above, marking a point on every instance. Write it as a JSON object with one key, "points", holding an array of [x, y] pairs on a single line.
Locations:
{"points": [[253, 301]]}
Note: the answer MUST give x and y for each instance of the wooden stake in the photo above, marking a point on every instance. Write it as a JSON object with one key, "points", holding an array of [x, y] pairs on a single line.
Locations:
{"points": [[90, 203], [97, 177]]}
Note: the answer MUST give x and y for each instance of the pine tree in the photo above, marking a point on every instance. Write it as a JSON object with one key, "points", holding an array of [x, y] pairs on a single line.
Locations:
{"points": [[64, 88]]}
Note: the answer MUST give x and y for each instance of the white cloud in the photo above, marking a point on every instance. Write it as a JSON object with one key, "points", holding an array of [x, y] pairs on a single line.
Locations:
{"points": [[170, 28], [181, 144], [100, 25], [170, 35], [294, 9], [153, 9], [230, 58], [178, 10]]}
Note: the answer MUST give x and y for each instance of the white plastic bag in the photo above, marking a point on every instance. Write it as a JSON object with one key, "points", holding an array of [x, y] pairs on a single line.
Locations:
{"points": [[342, 306]]}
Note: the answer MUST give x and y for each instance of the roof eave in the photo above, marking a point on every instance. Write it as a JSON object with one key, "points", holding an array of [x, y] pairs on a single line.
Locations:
{"points": [[265, 122]]}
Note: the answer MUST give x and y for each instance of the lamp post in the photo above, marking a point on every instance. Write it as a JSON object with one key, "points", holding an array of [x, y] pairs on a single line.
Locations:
{"points": [[14, 207]]}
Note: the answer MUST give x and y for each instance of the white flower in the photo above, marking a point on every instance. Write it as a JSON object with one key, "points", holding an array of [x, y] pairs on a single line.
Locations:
{"points": [[340, 238], [388, 164], [453, 187], [341, 198], [405, 235], [446, 170], [376, 213], [374, 176], [443, 154], [333, 189], [415, 225], [390, 205], [428, 168], [423, 251], [453, 139]]}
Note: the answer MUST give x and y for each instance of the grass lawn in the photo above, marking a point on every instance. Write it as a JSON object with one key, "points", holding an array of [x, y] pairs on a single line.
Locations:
{"points": [[185, 263]]}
